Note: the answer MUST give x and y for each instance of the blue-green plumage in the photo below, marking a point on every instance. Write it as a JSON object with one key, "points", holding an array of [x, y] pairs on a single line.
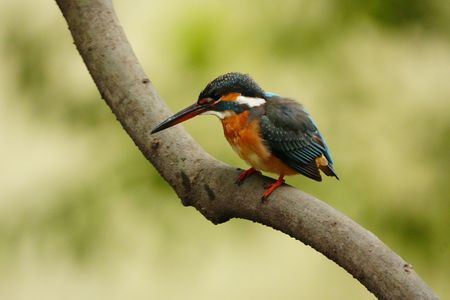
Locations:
{"points": [[270, 132], [293, 137], [287, 129]]}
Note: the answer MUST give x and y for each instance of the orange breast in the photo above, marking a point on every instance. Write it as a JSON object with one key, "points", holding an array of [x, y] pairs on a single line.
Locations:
{"points": [[244, 136]]}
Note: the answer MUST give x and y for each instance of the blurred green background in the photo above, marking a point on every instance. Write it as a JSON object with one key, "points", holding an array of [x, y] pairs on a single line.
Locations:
{"points": [[84, 216]]}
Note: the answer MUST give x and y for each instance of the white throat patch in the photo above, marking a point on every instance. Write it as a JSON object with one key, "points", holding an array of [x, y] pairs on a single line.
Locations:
{"points": [[220, 114], [250, 101]]}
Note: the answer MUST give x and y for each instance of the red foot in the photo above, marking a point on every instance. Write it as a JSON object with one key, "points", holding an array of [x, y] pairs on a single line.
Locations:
{"points": [[273, 187], [246, 174]]}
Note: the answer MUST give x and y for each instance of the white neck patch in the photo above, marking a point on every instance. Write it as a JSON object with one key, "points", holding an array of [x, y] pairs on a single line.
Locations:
{"points": [[250, 101]]}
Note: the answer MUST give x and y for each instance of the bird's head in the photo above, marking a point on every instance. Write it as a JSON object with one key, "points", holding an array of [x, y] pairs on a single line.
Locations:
{"points": [[227, 95]]}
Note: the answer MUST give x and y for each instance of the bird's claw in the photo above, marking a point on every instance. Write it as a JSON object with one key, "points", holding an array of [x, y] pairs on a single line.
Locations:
{"points": [[271, 188], [246, 174]]}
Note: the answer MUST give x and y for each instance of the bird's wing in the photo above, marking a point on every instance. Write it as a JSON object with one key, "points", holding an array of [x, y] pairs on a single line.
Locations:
{"points": [[293, 137]]}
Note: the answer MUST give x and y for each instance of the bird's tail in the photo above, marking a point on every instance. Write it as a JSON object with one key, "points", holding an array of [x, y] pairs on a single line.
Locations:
{"points": [[328, 170], [326, 166]]}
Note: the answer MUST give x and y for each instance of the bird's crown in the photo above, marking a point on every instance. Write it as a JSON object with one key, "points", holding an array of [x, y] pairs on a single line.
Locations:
{"points": [[233, 82]]}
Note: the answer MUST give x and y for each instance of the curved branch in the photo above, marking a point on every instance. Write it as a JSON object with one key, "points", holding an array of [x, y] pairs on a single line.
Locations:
{"points": [[207, 184]]}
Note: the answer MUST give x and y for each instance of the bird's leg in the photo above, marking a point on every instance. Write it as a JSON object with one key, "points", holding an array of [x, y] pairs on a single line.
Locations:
{"points": [[246, 174], [273, 187]]}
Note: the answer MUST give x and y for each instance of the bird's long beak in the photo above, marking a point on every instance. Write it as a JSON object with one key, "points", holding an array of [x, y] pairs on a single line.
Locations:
{"points": [[181, 116]]}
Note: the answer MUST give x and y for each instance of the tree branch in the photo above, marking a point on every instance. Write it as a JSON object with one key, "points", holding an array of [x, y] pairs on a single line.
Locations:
{"points": [[207, 184]]}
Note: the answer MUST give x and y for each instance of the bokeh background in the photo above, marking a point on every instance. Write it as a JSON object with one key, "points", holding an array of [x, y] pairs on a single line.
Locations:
{"points": [[84, 216]]}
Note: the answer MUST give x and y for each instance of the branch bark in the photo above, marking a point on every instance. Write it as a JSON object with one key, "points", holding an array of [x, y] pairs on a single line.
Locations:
{"points": [[207, 184]]}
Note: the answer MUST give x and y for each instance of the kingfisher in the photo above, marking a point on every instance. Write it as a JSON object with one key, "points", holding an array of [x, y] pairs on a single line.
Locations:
{"points": [[271, 133]]}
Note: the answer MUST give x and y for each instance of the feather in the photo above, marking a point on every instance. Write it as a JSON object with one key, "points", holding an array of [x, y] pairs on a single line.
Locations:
{"points": [[292, 136]]}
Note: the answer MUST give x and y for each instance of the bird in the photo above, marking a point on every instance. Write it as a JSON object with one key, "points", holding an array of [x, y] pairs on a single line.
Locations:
{"points": [[271, 133]]}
